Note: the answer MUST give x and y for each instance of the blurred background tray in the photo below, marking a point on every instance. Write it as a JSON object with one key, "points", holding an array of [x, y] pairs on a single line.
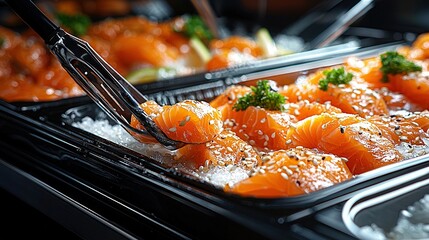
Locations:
{"points": [[279, 18]]}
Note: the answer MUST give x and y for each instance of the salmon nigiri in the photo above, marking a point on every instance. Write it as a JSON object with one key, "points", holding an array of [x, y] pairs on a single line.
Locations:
{"points": [[346, 135], [293, 172], [188, 121]]}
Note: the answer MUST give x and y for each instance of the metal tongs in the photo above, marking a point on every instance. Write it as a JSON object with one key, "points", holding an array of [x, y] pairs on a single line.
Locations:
{"points": [[106, 87]]}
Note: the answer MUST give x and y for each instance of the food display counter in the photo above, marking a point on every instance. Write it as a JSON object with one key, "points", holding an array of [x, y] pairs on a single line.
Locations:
{"points": [[67, 159]]}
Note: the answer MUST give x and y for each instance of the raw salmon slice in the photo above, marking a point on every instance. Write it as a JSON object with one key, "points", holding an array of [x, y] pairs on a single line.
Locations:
{"points": [[345, 135], [152, 109], [415, 86], [367, 70], [304, 109], [225, 101], [225, 149], [293, 172], [399, 128], [260, 127], [397, 101], [188, 121], [353, 98]]}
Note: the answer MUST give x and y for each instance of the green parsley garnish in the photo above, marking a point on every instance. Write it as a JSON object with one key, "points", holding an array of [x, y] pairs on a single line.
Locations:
{"points": [[78, 24], [194, 26], [335, 76], [395, 63], [263, 95]]}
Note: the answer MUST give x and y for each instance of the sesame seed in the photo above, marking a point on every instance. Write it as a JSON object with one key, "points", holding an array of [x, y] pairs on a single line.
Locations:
{"points": [[270, 167], [244, 126], [263, 120], [260, 132], [247, 147], [288, 141], [262, 171], [271, 162], [403, 138], [182, 123], [229, 149], [288, 171], [273, 135], [284, 175], [211, 122], [173, 129], [252, 142], [296, 112]]}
